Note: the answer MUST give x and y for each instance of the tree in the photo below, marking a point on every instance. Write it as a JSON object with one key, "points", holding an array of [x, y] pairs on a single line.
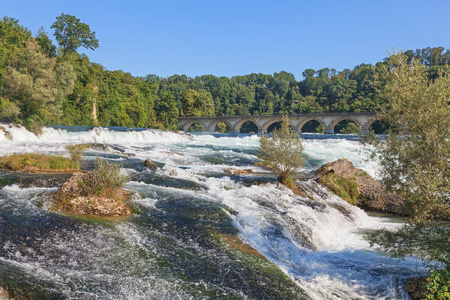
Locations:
{"points": [[36, 87], [415, 163], [167, 111], [415, 156], [282, 150], [46, 44], [13, 38], [71, 34]]}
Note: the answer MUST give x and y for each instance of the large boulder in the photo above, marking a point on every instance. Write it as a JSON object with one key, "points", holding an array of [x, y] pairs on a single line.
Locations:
{"points": [[71, 199], [357, 187]]}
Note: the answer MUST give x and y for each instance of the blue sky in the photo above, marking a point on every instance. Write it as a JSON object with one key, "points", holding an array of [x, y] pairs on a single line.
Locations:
{"points": [[227, 38]]}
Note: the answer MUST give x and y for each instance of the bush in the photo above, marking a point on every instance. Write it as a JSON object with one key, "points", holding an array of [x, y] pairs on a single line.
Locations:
{"points": [[105, 181], [77, 150], [283, 151], [437, 285]]}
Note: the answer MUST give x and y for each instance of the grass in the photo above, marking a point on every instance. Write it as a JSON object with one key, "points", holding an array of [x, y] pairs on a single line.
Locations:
{"points": [[346, 188], [105, 181], [38, 162]]}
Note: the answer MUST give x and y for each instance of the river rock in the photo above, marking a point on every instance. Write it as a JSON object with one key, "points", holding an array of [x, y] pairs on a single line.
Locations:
{"points": [[234, 171], [415, 287], [70, 199], [369, 194], [149, 164], [7, 133]]}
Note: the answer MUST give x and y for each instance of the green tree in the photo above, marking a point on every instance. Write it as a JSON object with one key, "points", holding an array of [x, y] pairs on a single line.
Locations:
{"points": [[71, 34], [35, 87], [283, 151], [13, 38], [415, 157], [45, 42], [414, 162], [167, 111]]}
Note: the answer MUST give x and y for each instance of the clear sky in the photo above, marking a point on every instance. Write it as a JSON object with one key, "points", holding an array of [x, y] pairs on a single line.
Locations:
{"points": [[230, 37]]}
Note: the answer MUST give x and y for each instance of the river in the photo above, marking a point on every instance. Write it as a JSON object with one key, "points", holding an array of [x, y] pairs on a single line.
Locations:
{"points": [[194, 226]]}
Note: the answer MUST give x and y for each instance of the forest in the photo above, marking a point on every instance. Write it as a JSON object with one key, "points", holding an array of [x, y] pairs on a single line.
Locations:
{"points": [[46, 84]]}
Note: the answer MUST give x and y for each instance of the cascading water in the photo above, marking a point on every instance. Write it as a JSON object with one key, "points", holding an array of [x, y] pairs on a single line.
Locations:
{"points": [[172, 247]]}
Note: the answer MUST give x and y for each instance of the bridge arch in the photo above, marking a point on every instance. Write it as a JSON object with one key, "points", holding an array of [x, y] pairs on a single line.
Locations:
{"points": [[250, 123], [366, 126], [304, 121], [238, 125], [186, 125], [189, 124], [335, 121], [213, 124], [271, 121]]}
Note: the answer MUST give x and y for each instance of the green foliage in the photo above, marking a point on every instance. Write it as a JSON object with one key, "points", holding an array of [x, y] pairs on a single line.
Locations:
{"points": [[32, 84], [115, 98], [13, 38], [167, 111], [350, 128], [414, 157], [222, 127], [45, 42], [283, 149], [37, 162], [346, 188], [320, 129], [77, 150], [414, 162], [105, 181], [437, 286], [8, 110], [71, 34]]}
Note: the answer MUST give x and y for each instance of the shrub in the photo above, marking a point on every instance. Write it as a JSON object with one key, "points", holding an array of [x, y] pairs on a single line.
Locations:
{"points": [[437, 285], [283, 151], [77, 150], [105, 181]]}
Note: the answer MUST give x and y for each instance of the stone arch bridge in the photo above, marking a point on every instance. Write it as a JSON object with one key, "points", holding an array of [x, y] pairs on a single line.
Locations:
{"points": [[328, 120]]}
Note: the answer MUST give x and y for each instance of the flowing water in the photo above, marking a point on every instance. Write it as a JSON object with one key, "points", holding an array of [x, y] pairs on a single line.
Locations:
{"points": [[191, 225]]}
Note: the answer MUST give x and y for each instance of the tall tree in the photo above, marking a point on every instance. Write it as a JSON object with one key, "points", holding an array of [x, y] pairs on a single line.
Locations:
{"points": [[414, 162], [72, 34], [34, 86], [46, 44], [167, 111]]}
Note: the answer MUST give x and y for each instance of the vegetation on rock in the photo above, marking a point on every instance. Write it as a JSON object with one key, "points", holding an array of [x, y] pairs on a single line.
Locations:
{"points": [[357, 187], [99, 192], [38, 163]]}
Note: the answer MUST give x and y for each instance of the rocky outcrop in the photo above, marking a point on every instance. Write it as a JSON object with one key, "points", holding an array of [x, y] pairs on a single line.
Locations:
{"points": [[234, 171], [415, 287], [8, 134], [149, 164], [357, 187], [72, 199]]}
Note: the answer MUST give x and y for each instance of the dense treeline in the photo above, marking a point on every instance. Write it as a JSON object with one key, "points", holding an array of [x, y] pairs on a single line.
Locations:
{"points": [[42, 84]]}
